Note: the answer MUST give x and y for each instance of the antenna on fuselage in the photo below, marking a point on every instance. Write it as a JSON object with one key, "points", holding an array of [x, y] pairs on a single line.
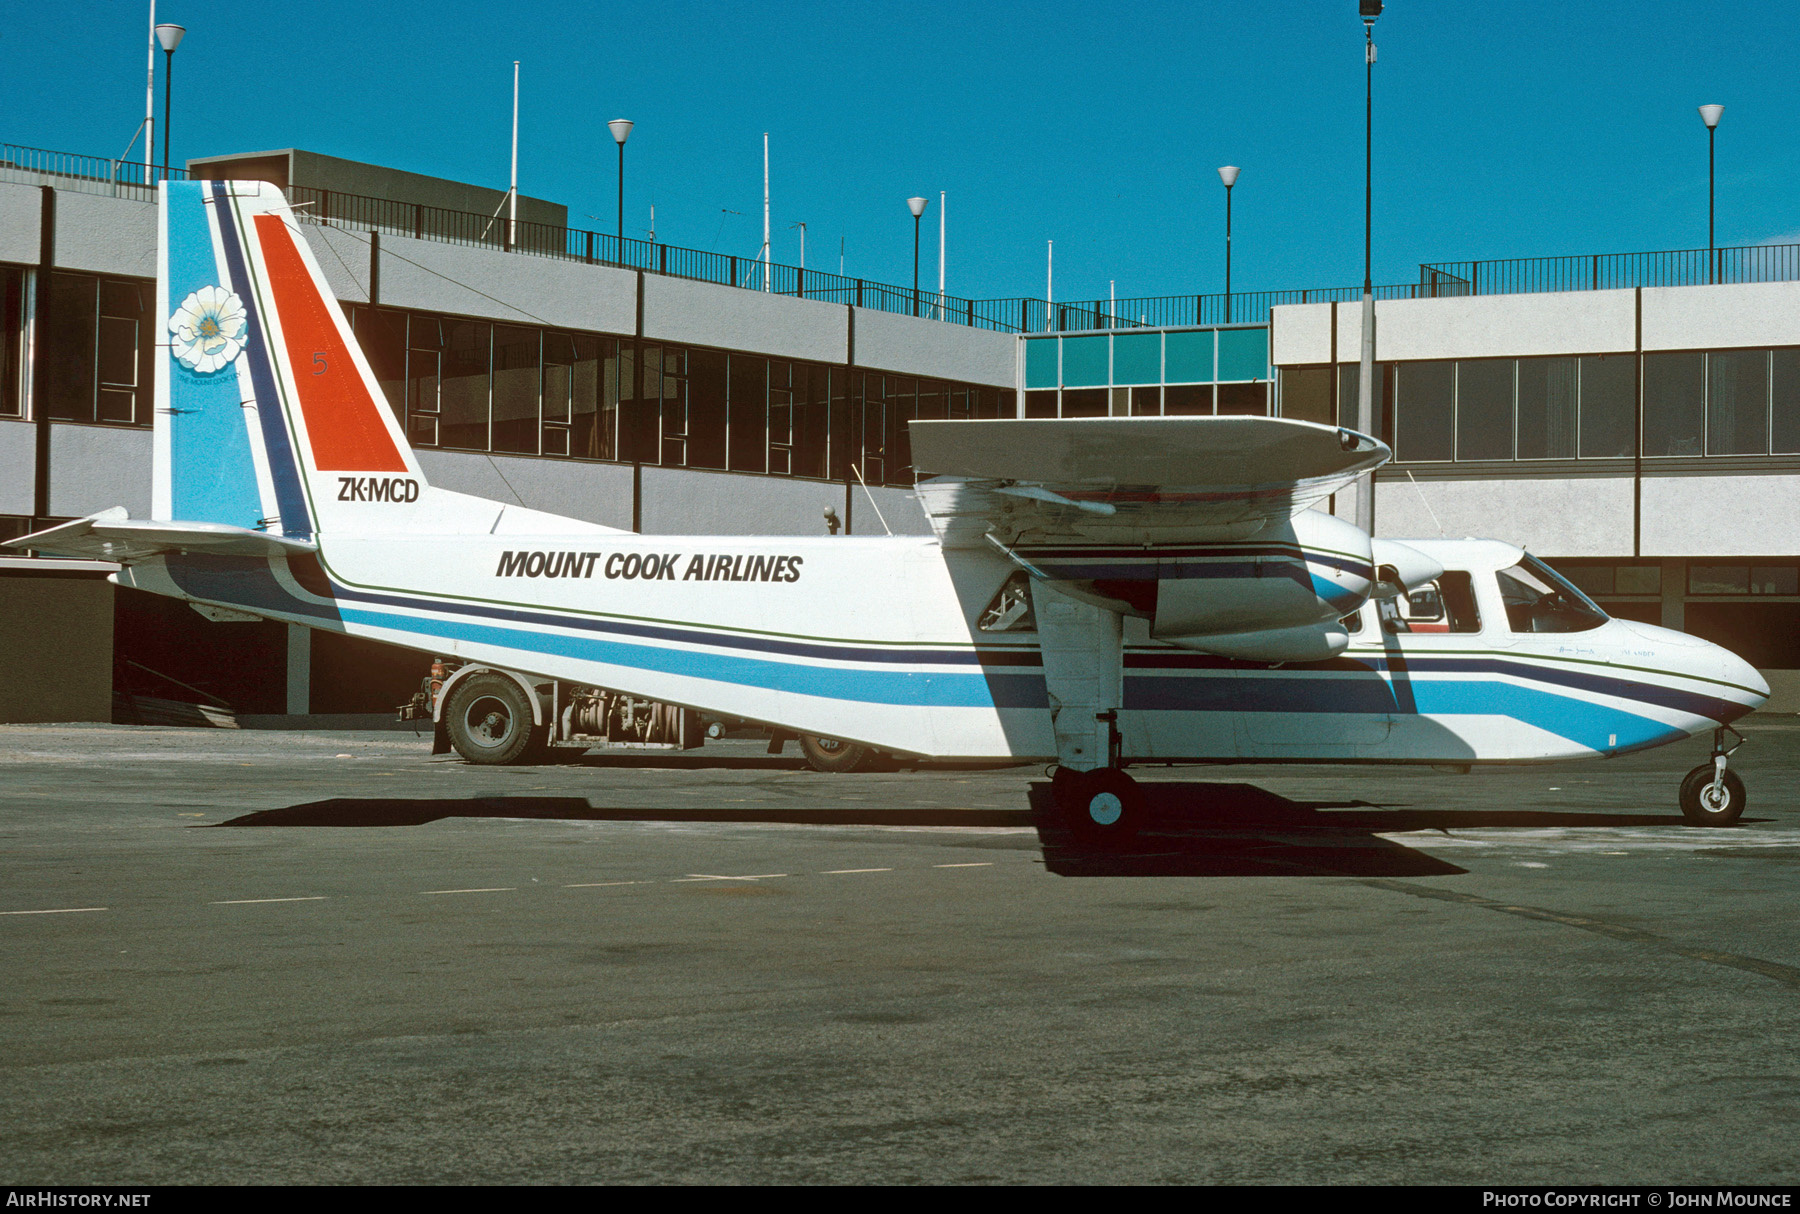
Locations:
{"points": [[871, 497]]}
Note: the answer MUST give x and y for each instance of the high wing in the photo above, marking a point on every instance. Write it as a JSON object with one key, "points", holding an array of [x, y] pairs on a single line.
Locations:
{"points": [[112, 536], [1111, 480]]}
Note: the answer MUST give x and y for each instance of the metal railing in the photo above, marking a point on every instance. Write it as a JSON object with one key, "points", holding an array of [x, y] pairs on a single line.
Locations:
{"points": [[95, 174], [1604, 271], [603, 248], [1167, 311]]}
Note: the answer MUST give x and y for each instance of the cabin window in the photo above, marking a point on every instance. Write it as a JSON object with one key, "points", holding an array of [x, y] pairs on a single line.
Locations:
{"points": [[1444, 605], [1538, 599]]}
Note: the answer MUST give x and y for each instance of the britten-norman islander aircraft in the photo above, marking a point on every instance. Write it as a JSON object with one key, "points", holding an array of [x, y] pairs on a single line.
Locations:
{"points": [[1097, 592]]}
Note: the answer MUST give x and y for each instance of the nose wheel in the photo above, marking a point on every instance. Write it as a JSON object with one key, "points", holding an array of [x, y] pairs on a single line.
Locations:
{"points": [[1712, 794], [1100, 806]]}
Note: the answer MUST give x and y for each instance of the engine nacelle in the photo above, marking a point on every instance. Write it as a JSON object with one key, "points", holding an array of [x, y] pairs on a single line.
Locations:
{"points": [[1306, 643], [1308, 571]]}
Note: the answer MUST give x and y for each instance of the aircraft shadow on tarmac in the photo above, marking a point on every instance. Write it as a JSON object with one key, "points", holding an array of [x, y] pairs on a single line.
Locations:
{"points": [[1196, 828]]}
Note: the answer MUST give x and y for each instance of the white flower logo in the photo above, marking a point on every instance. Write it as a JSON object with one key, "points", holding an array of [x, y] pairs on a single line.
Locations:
{"points": [[208, 329]]}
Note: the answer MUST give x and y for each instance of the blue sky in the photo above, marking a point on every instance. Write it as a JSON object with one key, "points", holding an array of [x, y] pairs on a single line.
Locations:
{"points": [[1501, 130]]}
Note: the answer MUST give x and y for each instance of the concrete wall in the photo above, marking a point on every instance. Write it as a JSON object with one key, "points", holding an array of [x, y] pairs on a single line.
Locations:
{"points": [[1591, 516], [910, 345], [678, 501], [344, 258], [1721, 515], [1701, 318], [105, 235], [595, 493], [1482, 326], [506, 286], [705, 314], [299, 167], [18, 466], [20, 208], [56, 649], [96, 467]]}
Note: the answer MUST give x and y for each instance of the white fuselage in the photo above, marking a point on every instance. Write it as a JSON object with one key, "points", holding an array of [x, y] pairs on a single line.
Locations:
{"points": [[877, 640]]}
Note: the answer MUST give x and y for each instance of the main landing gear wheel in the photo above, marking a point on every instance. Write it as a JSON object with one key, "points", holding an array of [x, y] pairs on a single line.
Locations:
{"points": [[1100, 806], [833, 754], [1709, 802], [489, 721]]}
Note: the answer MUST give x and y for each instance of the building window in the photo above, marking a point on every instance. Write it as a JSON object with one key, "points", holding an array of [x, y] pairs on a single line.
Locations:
{"points": [[1744, 579], [706, 409], [1675, 404], [518, 385], [1425, 412], [1608, 389], [97, 345], [1306, 394], [12, 341], [1737, 402], [1484, 409], [1546, 408], [1244, 399]]}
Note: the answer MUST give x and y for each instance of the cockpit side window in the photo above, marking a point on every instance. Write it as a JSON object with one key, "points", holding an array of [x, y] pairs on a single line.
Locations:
{"points": [[1539, 600]]}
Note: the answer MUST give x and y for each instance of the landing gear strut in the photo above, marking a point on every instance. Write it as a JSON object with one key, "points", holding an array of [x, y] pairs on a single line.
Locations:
{"points": [[1711, 795], [1102, 804]]}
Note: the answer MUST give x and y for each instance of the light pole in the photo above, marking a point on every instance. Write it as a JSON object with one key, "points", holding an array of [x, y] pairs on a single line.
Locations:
{"points": [[168, 37], [917, 207], [1369, 10], [621, 130], [1229, 175], [1710, 115]]}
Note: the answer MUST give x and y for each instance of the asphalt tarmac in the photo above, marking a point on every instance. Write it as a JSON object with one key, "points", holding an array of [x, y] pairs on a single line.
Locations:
{"points": [[301, 958]]}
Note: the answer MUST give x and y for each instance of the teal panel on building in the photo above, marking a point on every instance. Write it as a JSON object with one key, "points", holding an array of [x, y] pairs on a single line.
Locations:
{"points": [[1085, 362], [1040, 362], [1188, 358], [1137, 358], [1243, 354]]}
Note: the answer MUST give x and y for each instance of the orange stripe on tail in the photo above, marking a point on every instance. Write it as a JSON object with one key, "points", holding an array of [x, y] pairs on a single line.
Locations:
{"points": [[344, 423]]}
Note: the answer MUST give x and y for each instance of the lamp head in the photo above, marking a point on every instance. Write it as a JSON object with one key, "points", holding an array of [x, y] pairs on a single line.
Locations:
{"points": [[620, 128], [1369, 10], [916, 206], [169, 36], [1229, 175], [1709, 114]]}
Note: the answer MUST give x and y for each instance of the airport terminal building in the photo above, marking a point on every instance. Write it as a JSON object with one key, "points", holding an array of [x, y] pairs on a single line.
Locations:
{"points": [[1635, 419]]}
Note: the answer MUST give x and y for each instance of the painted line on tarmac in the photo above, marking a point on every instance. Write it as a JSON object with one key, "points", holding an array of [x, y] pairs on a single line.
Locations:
{"points": [[63, 910], [838, 872], [598, 884], [975, 864], [1786, 974], [256, 901], [717, 877], [494, 889]]}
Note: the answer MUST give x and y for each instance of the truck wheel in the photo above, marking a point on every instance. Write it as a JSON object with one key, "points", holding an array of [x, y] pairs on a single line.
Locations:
{"points": [[489, 721], [831, 754]]}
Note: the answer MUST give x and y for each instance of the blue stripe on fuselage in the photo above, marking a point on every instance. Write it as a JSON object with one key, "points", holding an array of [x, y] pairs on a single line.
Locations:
{"points": [[1356, 686]]}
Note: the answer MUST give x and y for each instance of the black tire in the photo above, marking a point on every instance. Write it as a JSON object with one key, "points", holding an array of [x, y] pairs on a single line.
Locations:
{"points": [[833, 754], [1697, 803], [489, 721], [1101, 807]]}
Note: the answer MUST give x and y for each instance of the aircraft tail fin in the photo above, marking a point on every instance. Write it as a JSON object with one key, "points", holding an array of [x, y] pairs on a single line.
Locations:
{"points": [[269, 417]]}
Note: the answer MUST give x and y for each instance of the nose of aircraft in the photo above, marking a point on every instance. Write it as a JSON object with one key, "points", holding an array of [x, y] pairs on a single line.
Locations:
{"points": [[1745, 690]]}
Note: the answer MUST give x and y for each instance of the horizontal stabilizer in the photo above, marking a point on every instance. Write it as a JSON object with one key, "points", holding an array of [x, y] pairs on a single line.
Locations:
{"points": [[112, 535]]}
